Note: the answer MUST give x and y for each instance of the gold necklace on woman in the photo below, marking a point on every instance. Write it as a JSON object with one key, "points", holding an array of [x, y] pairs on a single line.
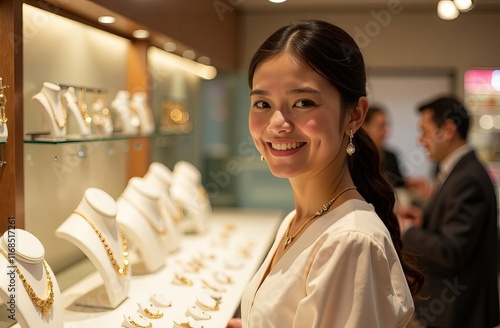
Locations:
{"points": [[43, 304], [121, 270], [323, 210]]}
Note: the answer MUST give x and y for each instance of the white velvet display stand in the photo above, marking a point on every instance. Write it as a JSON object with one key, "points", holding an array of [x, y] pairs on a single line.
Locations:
{"points": [[160, 177], [72, 101], [188, 192], [127, 120], [49, 99], [140, 103], [29, 253], [140, 218], [99, 208]]}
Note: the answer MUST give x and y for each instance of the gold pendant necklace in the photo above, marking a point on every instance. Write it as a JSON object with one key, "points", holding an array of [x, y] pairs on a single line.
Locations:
{"points": [[43, 304], [323, 210], [121, 270], [63, 111]]}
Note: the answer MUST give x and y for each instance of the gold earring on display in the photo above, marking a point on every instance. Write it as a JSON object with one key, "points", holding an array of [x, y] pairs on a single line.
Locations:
{"points": [[262, 159], [350, 147]]}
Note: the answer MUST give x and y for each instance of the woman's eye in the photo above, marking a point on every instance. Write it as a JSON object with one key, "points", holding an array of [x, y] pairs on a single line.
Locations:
{"points": [[304, 103], [261, 104]]}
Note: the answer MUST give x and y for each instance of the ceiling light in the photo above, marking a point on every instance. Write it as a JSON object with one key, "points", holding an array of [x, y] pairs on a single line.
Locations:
{"points": [[206, 60], [169, 46], [140, 34], [464, 5], [446, 10], [106, 19], [189, 54], [277, 1]]}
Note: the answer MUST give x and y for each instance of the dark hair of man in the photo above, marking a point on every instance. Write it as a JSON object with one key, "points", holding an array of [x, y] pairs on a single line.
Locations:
{"points": [[449, 108], [372, 110], [333, 54]]}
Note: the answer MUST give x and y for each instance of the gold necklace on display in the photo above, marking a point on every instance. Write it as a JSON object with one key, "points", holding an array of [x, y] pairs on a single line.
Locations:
{"points": [[43, 304], [121, 270], [83, 107], [63, 111], [162, 232], [323, 210], [3, 102]]}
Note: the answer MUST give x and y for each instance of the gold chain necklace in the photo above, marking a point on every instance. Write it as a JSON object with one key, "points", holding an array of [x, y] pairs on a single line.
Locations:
{"points": [[83, 107], [323, 210], [63, 111], [121, 270], [43, 304], [3, 102]]}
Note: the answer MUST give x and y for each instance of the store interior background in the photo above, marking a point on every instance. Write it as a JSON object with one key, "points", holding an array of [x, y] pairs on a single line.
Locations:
{"points": [[411, 55]]}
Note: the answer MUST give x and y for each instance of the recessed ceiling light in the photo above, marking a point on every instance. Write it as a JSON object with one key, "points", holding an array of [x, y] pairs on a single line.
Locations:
{"points": [[277, 1], [106, 19], [204, 60], [189, 54], [169, 46], [140, 34]]}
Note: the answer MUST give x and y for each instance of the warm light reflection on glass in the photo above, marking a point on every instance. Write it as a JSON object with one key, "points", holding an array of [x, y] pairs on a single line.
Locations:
{"points": [[204, 71]]}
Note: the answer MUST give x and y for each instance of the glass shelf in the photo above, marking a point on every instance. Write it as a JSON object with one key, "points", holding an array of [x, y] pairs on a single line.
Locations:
{"points": [[41, 139]]}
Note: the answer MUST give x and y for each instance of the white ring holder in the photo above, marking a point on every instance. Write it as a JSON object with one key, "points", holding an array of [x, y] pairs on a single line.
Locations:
{"points": [[160, 300], [196, 313], [136, 320], [128, 123], [49, 99], [99, 208], [72, 102], [140, 218], [160, 177], [140, 103], [188, 192], [27, 253]]}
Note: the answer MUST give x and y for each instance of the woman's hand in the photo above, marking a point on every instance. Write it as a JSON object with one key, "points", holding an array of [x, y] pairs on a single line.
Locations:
{"points": [[234, 323]]}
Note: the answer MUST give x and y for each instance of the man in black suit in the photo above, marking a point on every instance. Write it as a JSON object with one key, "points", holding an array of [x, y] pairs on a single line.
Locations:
{"points": [[456, 232]]}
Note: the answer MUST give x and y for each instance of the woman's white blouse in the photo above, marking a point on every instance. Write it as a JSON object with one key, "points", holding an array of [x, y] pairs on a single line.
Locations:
{"points": [[343, 271]]}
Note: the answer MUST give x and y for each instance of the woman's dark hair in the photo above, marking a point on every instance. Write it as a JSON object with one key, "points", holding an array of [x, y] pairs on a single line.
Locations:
{"points": [[333, 54]]}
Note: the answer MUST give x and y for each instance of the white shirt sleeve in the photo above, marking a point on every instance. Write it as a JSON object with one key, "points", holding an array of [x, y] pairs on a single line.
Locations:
{"points": [[352, 282]]}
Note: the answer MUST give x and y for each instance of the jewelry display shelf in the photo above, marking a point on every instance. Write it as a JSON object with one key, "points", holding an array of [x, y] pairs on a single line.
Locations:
{"points": [[233, 236], [41, 139]]}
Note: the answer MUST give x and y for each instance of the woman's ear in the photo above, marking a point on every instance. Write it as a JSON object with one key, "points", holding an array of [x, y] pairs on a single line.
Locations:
{"points": [[357, 115]]}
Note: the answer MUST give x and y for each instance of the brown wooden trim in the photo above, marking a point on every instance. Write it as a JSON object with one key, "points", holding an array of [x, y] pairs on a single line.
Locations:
{"points": [[11, 71], [139, 155]]}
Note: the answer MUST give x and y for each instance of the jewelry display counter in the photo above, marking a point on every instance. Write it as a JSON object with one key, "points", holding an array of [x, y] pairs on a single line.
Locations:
{"points": [[201, 283]]}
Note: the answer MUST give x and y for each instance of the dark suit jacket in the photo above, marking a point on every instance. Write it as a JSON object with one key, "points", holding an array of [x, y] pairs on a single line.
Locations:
{"points": [[390, 164], [458, 244]]}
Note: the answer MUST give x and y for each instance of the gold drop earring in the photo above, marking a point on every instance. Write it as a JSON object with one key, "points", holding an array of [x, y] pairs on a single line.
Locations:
{"points": [[350, 147]]}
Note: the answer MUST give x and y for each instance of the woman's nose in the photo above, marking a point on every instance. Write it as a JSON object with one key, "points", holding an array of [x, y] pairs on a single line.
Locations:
{"points": [[279, 123]]}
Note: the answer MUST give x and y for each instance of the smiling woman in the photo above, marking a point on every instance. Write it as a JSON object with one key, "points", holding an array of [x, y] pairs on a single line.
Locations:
{"points": [[337, 258]]}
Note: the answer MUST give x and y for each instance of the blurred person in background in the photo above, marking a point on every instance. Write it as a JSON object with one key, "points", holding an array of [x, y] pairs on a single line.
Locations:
{"points": [[455, 234]]}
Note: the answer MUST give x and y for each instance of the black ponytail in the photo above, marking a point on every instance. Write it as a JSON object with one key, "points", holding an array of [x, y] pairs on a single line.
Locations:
{"points": [[366, 172]]}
